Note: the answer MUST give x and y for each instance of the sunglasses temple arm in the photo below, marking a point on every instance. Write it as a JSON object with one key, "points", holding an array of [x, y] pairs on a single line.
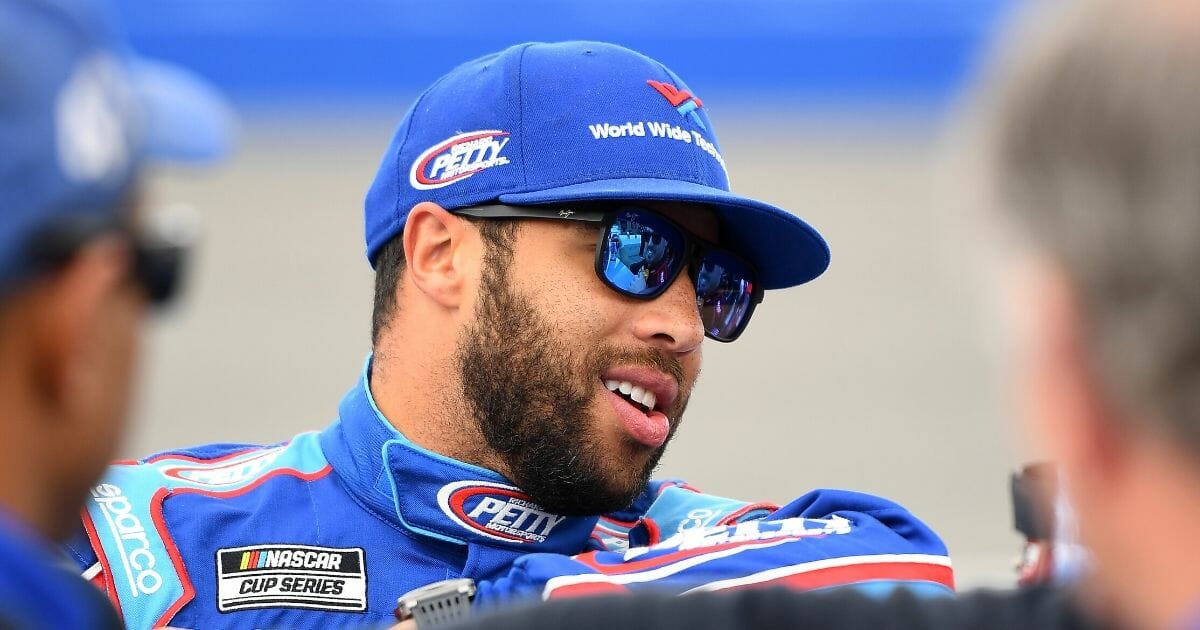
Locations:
{"points": [[501, 211]]}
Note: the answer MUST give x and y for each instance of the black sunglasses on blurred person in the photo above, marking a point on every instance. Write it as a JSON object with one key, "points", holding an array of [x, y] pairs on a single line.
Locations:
{"points": [[160, 247]]}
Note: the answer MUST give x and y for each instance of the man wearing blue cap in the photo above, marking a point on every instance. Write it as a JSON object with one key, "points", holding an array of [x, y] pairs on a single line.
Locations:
{"points": [[76, 274], [553, 238]]}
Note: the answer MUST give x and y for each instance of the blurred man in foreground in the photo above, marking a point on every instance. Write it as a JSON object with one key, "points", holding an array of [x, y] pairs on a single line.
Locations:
{"points": [[1096, 151], [77, 270]]}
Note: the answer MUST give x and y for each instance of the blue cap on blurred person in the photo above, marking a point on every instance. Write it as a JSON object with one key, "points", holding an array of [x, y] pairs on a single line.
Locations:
{"points": [[540, 124], [79, 115]]}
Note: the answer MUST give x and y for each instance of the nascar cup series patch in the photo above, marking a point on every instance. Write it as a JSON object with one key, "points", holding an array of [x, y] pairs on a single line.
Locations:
{"points": [[291, 576]]}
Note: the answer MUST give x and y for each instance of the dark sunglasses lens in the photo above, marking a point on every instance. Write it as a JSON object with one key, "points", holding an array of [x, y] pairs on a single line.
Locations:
{"points": [[159, 268], [643, 253], [724, 295]]}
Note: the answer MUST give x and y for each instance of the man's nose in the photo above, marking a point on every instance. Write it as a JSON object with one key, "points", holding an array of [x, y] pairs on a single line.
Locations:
{"points": [[671, 321]]}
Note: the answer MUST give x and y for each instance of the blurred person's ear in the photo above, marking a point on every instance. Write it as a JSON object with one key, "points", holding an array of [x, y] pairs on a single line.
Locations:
{"points": [[84, 336], [442, 255], [69, 338], [69, 306], [1067, 410]]}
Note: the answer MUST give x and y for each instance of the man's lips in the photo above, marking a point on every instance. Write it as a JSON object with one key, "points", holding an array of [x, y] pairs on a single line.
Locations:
{"points": [[663, 387], [650, 428], [638, 396]]}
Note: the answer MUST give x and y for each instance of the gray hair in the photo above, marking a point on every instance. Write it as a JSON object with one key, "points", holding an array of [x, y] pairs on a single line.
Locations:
{"points": [[1097, 151]]}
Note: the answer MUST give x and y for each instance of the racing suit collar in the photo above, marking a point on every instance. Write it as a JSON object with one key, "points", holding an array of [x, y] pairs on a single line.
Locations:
{"points": [[433, 495]]}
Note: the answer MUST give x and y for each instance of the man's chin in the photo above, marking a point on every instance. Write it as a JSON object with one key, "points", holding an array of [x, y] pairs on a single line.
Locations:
{"points": [[594, 506], [624, 496], [592, 497]]}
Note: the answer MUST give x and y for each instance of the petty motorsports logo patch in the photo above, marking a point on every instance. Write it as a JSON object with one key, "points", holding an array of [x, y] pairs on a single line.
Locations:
{"points": [[229, 474], [291, 576], [497, 511], [458, 158]]}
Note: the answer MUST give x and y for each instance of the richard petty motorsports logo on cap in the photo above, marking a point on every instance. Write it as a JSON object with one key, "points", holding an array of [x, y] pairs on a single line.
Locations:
{"points": [[291, 576], [458, 157], [497, 511]]}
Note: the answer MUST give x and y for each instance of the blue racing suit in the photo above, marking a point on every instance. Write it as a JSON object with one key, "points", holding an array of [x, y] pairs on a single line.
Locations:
{"points": [[329, 528]]}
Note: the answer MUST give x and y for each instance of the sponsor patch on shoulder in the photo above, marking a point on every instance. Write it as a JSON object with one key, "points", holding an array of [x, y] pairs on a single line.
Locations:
{"points": [[291, 576], [497, 511], [231, 473], [457, 158]]}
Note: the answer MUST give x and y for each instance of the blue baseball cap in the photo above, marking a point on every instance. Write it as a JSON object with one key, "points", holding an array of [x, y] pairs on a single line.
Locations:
{"points": [[540, 124], [79, 114]]}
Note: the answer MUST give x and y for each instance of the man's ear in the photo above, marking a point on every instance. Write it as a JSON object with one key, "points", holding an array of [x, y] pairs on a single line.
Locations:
{"points": [[1072, 412], [435, 242], [64, 315]]}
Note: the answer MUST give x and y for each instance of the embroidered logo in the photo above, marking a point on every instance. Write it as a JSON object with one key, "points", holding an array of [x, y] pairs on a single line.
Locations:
{"points": [[681, 100], [291, 576], [749, 532], [133, 544], [497, 511], [226, 474], [457, 158]]}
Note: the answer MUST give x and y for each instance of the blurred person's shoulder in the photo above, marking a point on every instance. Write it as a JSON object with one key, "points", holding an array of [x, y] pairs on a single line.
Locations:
{"points": [[36, 591]]}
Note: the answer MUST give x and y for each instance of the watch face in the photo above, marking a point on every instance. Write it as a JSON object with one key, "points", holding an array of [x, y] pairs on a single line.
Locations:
{"points": [[437, 603]]}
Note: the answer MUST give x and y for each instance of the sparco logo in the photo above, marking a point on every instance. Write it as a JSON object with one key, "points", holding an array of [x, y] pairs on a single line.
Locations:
{"points": [[131, 539], [497, 511], [458, 158]]}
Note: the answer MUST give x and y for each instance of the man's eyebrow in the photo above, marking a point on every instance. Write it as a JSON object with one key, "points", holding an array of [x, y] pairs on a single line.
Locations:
{"points": [[584, 227]]}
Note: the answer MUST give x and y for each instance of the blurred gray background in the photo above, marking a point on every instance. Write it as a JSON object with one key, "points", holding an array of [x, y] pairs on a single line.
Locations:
{"points": [[880, 376]]}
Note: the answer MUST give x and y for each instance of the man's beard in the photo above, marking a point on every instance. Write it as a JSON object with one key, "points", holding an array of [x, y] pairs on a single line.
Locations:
{"points": [[531, 396]]}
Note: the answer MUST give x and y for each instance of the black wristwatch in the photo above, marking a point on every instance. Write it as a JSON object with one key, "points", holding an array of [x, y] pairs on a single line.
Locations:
{"points": [[437, 604]]}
